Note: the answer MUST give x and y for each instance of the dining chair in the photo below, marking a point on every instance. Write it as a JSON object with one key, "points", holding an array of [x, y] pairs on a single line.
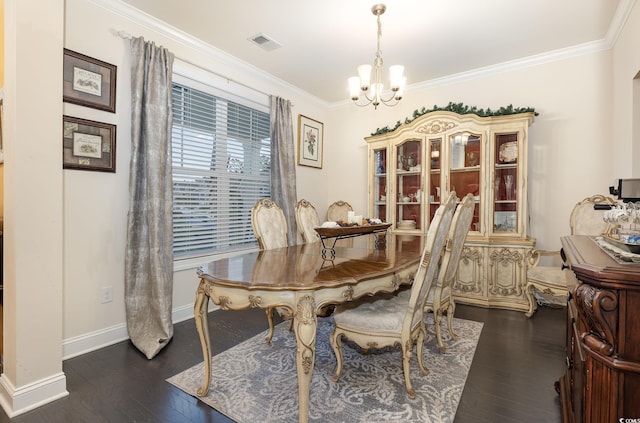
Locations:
{"points": [[270, 228], [269, 224], [440, 298], [307, 220], [390, 320], [338, 211], [547, 284]]}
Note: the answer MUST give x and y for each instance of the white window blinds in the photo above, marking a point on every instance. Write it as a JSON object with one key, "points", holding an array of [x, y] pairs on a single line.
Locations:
{"points": [[221, 167]]}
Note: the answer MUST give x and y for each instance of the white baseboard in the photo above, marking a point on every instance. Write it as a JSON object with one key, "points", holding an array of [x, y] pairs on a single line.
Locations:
{"points": [[82, 344], [26, 398]]}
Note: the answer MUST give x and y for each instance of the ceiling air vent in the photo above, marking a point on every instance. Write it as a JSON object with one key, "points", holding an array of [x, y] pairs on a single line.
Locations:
{"points": [[265, 42]]}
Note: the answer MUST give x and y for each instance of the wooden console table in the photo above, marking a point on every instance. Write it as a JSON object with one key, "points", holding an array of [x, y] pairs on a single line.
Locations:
{"points": [[347, 232], [602, 380]]}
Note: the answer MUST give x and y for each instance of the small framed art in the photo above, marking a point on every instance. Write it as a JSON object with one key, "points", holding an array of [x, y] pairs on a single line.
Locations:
{"points": [[310, 142], [88, 145], [89, 82]]}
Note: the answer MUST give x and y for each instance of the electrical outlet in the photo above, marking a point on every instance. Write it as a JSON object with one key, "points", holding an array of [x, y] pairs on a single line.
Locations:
{"points": [[106, 294]]}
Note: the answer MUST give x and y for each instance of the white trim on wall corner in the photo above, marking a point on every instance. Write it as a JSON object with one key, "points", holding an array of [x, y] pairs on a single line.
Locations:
{"points": [[92, 341], [33, 395], [619, 20]]}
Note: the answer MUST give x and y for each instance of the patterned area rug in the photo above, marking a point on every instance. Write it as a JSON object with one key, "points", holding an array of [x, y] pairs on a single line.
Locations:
{"points": [[257, 382]]}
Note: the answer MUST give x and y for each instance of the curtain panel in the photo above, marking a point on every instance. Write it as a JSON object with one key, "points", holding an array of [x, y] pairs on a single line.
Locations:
{"points": [[283, 163], [149, 255]]}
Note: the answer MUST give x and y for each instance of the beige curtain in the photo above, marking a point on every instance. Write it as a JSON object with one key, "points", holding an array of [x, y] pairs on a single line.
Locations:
{"points": [[149, 256], [283, 163]]}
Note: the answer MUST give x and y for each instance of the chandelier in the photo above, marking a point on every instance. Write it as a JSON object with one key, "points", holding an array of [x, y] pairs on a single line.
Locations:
{"points": [[372, 92]]}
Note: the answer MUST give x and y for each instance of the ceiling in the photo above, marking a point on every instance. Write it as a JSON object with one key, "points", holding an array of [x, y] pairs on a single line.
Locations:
{"points": [[324, 41]]}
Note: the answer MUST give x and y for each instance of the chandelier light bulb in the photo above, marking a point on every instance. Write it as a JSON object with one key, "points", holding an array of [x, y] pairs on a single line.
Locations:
{"points": [[364, 72], [400, 91], [396, 72], [354, 88]]}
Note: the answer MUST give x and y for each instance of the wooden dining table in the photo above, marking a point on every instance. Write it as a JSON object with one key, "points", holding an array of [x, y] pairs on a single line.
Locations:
{"points": [[298, 278]]}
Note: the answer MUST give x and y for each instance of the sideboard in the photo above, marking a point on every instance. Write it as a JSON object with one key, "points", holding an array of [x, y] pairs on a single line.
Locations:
{"points": [[602, 379]]}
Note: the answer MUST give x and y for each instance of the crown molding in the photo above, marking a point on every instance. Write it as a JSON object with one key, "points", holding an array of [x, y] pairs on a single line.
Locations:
{"points": [[138, 17], [511, 65], [152, 23], [618, 21]]}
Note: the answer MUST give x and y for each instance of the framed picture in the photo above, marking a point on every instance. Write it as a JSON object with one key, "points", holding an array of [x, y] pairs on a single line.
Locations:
{"points": [[310, 140], [89, 82], [88, 145]]}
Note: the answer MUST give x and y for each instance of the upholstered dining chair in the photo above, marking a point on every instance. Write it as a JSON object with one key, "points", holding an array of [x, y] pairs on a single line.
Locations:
{"points": [[307, 220], [269, 224], [338, 211], [387, 321], [270, 228], [552, 280], [440, 298]]}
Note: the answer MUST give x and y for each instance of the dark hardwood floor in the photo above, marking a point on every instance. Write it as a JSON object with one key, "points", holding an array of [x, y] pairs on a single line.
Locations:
{"points": [[511, 378]]}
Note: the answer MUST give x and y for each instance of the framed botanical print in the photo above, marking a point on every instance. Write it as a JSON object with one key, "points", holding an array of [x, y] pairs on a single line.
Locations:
{"points": [[89, 82], [88, 145], [310, 142]]}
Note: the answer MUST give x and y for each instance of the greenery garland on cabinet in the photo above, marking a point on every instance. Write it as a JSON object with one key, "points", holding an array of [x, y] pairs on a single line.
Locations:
{"points": [[461, 109]]}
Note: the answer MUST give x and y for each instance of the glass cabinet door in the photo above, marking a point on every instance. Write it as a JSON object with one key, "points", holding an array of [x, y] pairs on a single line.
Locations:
{"points": [[380, 184], [435, 151], [505, 203], [409, 185], [465, 158]]}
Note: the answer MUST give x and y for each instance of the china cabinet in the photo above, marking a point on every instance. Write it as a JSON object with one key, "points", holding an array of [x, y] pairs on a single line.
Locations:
{"points": [[412, 167]]}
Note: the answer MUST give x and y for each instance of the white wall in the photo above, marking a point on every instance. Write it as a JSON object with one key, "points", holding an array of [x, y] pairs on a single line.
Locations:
{"points": [[578, 144], [626, 65], [96, 203], [570, 157], [569, 151]]}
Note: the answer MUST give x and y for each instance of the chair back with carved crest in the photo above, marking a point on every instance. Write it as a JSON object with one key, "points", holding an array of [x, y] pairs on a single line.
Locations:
{"points": [[269, 224], [307, 220]]}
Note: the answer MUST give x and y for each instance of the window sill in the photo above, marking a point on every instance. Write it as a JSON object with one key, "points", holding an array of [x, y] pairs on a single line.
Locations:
{"points": [[195, 262]]}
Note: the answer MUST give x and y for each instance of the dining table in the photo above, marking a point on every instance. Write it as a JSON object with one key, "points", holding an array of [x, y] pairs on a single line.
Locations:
{"points": [[299, 279]]}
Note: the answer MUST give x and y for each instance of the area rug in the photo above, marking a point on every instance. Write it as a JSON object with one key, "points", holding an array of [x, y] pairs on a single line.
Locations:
{"points": [[257, 382]]}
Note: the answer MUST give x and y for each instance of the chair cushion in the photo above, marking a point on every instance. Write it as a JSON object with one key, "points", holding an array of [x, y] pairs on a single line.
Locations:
{"points": [[377, 315], [547, 275]]}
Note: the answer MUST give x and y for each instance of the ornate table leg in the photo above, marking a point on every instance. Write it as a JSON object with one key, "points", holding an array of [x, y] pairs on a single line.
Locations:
{"points": [[271, 327], [305, 326], [200, 309]]}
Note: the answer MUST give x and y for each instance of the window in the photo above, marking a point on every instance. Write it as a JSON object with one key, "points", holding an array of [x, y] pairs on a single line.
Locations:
{"points": [[221, 167]]}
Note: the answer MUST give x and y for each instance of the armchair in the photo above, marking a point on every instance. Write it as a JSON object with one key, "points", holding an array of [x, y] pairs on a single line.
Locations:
{"points": [[551, 280]]}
